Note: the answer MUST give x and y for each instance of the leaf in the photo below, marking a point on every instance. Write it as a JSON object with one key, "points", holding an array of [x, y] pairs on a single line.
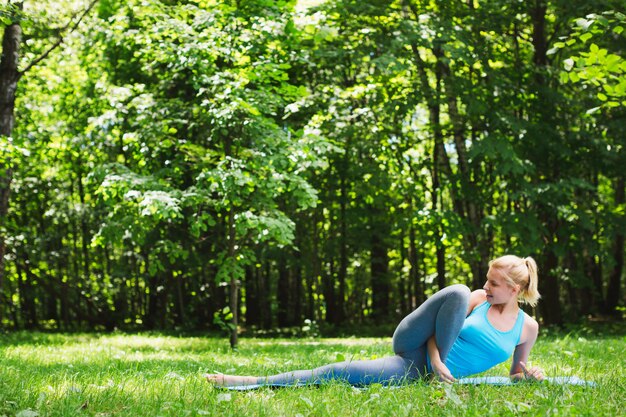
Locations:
{"points": [[224, 397], [174, 375], [453, 396], [583, 23], [568, 64], [593, 110], [27, 413], [307, 401], [41, 400], [373, 397], [552, 51]]}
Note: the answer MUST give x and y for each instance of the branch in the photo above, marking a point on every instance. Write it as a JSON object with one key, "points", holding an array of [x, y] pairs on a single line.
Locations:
{"points": [[59, 41]]}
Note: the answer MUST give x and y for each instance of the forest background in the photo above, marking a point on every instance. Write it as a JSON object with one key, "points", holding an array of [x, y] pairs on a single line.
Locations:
{"points": [[201, 164]]}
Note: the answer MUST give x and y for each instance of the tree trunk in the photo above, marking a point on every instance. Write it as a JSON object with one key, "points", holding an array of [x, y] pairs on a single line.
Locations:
{"points": [[181, 306], [418, 292], [440, 159], [234, 282], [613, 291], [283, 293], [9, 77], [438, 163], [253, 308], [343, 236], [65, 321], [327, 264], [27, 296], [549, 288], [404, 290], [329, 291], [468, 207], [540, 43], [379, 266], [441, 262], [548, 165], [84, 228], [316, 269], [152, 306], [436, 187], [593, 269], [264, 280], [298, 299]]}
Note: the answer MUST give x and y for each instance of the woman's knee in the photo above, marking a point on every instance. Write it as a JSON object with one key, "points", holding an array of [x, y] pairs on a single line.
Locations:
{"points": [[459, 291]]}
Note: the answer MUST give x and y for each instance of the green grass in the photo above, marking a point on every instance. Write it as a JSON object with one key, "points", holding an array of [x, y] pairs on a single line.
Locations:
{"points": [[157, 375]]}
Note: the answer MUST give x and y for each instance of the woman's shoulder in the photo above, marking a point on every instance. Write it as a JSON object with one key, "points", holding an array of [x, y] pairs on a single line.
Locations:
{"points": [[530, 330], [477, 297], [530, 323]]}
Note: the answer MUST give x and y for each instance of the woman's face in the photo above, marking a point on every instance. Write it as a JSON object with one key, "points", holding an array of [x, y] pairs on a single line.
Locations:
{"points": [[498, 290]]}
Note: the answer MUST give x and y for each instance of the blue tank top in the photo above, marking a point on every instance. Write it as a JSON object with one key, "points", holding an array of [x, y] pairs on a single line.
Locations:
{"points": [[481, 346]]}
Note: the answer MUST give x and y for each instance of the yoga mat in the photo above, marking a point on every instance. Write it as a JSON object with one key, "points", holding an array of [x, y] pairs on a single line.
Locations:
{"points": [[485, 380], [503, 380]]}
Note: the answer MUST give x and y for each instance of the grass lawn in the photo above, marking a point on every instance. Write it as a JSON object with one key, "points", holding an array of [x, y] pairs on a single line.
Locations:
{"points": [[45, 374]]}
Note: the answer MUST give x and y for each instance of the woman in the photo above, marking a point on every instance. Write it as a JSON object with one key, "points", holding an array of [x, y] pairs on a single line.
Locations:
{"points": [[453, 334]]}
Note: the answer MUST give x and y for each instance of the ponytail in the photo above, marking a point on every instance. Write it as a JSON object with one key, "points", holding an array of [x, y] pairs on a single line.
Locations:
{"points": [[530, 294]]}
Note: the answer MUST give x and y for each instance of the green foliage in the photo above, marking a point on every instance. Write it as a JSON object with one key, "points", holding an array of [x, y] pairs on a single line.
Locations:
{"points": [[596, 65], [338, 159], [223, 319]]}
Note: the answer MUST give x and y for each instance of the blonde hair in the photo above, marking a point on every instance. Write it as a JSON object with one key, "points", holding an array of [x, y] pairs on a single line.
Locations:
{"points": [[522, 272]]}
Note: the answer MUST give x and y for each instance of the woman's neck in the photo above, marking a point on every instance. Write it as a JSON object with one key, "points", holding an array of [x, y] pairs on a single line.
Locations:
{"points": [[504, 308]]}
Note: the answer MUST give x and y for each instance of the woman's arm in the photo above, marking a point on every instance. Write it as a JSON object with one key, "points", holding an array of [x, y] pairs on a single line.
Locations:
{"points": [[439, 368], [519, 370]]}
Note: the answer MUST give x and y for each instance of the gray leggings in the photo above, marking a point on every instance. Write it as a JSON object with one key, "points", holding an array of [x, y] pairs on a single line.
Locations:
{"points": [[442, 314]]}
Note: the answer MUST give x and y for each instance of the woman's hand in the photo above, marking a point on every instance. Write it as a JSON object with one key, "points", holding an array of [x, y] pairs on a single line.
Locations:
{"points": [[442, 372], [532, 372], [440, 369]]}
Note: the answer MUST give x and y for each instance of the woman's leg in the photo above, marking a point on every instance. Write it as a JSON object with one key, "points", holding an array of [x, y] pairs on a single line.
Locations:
{"points": [[388, 370], [442, 314]]}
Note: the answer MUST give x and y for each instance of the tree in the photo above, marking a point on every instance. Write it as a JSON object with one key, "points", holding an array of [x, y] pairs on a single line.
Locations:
{"points": [[596, 63], [181, 164], [223, 101], [10, 75]]}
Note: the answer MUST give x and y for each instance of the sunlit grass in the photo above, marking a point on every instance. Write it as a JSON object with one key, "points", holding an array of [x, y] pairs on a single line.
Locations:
{"points": [[158, 375]]}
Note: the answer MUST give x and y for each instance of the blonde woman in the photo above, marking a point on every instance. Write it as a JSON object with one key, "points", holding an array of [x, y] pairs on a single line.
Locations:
{"points": [[453, 334]]}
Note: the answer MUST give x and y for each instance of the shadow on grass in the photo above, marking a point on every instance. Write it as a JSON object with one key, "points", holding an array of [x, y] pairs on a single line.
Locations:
{"points": [[39, 338], [589, 329], [152, 369]]}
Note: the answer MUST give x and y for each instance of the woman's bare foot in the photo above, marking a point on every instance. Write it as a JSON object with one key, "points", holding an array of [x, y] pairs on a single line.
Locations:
{"points": [[223, 380]]}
